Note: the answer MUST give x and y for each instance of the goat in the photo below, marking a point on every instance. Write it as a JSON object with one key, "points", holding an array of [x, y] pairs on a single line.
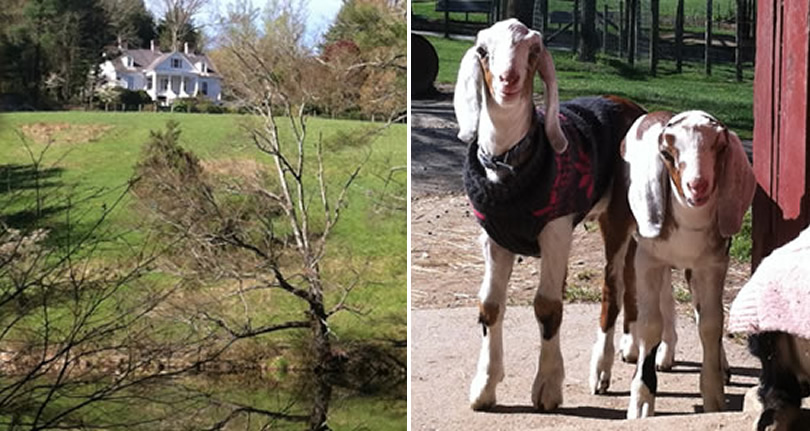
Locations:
{"points": [[773, 308], [690, 185], [531, 176]]}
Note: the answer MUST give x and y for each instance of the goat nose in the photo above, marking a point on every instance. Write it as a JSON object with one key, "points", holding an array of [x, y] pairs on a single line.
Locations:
{"points": [[698, 186], [508, 77]]}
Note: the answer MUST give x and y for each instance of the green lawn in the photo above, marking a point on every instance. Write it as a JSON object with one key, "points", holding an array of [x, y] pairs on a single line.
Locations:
{"points": [[719, 94], [694, 10], [97, 151]]}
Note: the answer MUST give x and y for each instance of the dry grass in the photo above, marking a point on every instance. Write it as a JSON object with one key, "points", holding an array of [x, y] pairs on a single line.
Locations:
{"points": [[64, 133]]}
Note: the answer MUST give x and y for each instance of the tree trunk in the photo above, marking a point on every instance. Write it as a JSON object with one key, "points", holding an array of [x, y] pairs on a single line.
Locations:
{"points": [[679, 37], [707, 54], [654, 9], [589, 42], [739, 36], [631, 31], [322, 355]]}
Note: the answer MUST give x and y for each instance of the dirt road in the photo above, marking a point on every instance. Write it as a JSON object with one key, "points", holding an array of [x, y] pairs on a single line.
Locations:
{"points": [[446, 271]]}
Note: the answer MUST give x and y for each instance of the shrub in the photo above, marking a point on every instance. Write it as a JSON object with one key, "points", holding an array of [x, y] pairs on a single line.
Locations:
{"points": [[197, 104]]}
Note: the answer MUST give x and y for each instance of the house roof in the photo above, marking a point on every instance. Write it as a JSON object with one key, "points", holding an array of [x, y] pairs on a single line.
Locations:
{"points": [[146, 60]]}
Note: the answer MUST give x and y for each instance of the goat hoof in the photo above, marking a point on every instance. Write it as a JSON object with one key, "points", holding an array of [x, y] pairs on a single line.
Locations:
{"points": [[628, 349], [482, 392], [642, 401], [484, 401], [600, 383], [664, 358], [716, 403], [547, 393]]}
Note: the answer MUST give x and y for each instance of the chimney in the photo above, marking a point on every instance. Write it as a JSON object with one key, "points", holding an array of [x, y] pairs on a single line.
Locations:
{"points": [[185, 48], [152, 45], [120, 47]]}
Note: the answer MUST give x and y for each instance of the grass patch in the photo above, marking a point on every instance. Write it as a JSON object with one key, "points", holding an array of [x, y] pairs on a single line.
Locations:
{"points": [[682, 295], [718, 94], [742, 242], [581, 293]]}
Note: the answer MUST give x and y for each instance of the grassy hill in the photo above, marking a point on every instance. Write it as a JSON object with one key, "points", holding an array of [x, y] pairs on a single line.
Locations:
{"points": [[90, 157], [97, 152]]}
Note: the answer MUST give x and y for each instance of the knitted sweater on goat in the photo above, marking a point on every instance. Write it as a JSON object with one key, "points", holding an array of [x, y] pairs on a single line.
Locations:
{"points": [[548, 185]]}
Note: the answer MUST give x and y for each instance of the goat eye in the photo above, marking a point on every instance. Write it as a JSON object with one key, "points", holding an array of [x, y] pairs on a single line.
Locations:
{"points": [[482, 52]]}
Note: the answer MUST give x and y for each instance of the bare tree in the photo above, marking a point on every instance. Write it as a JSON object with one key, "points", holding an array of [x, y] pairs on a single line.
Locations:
{"points": [[178, 15], [82, 333], [269, 233]]}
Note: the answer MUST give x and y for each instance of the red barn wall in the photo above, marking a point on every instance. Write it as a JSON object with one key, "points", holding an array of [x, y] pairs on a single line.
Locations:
{"points": [[781, 206]]}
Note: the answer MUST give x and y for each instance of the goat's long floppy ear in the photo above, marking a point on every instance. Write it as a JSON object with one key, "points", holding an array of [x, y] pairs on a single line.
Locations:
{"points": [[545, 68], [736, 186], [647, 193], [467, 97]]}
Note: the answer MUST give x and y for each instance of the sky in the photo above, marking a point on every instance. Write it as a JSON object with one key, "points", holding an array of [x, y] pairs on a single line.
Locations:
{"points": [[320, 14]]}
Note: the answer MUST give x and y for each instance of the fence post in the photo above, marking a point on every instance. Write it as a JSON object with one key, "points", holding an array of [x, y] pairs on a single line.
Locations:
{"points": [[739, 35], [631, 32], [709, 19], [576, 25], [544, 12], [622, 39], [605, 30], [654, 9], [679, 37]]}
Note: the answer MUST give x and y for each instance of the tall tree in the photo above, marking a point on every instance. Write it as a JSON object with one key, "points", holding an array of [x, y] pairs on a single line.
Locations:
{"points": [[178, 17], [130, 22], [51, 46], [376, 65], [191, 35]]}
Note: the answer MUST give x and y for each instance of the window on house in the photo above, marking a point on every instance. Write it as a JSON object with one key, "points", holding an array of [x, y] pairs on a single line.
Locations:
{"points": [[187, 86], [204, 88], [204, 67], [164, 84], [148, 83], [176, 63], [128, 61]]}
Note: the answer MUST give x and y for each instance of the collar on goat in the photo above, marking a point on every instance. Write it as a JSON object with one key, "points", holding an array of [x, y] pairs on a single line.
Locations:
{"points": [[509, 161]]}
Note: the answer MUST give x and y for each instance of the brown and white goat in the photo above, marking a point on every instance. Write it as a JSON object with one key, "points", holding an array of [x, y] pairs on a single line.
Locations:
{"points": [[690, 185], [531, 177]]}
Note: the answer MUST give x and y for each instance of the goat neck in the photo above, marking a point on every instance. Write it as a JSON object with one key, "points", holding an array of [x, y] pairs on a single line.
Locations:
{"points": [[693, 218], [502, 127]]}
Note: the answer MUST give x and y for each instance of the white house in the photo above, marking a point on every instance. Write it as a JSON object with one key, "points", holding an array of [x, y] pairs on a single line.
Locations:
{"points": [[165, 76]]}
